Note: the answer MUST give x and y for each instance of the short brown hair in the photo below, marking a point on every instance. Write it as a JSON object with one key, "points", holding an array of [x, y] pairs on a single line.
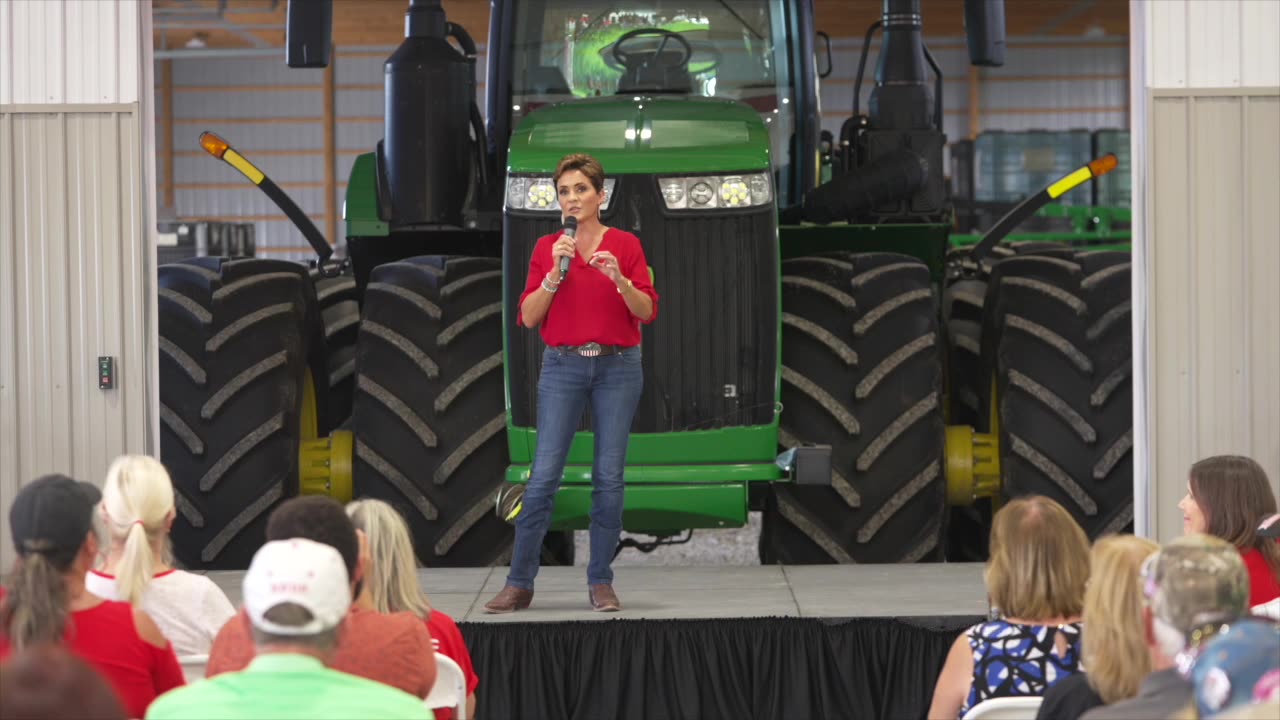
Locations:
{"points": [[1039, 561], [583, 163], [1234, 494], [1113, 646]]}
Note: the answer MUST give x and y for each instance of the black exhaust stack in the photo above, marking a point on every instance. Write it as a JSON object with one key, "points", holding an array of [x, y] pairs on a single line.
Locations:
{"points": [[889, 168], [892, 157], [984, 31], [426, 158]]}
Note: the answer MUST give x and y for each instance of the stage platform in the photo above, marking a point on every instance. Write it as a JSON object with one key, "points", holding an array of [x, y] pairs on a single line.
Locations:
{"points": [[852, 641]]}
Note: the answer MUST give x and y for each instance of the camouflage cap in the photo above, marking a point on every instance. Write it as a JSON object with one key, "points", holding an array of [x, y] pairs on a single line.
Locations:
{"points": [[1195, 580]]}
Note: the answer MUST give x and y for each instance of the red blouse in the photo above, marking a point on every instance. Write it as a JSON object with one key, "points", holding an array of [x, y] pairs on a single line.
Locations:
{"points": [[587, 307], [1264, 586], [105, 637]]}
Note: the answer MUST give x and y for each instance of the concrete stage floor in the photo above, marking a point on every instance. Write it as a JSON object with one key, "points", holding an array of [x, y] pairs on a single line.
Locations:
{"points": [[688, 593]]}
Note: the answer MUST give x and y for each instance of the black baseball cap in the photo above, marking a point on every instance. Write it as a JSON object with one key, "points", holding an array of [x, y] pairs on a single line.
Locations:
{"points": [[53, 515]]}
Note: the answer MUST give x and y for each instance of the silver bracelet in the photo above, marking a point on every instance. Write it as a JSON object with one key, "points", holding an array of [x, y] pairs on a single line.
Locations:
{"points": [[549, 288]]}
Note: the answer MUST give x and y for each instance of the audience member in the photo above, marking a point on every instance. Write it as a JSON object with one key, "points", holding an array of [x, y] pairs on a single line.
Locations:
{"points": [[1227, 497], [1190, 587], [391, 585], [48, 683], [138, 511], [1036, 576], [1111, 643], [296, 595], [393, 649], [51, 521]]}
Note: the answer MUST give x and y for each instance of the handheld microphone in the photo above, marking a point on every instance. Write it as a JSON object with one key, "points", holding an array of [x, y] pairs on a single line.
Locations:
{"points": [[570, 229]]}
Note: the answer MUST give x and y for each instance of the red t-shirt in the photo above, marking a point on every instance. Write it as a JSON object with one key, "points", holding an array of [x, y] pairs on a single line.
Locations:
{"points": [[106, 638], [447, 640], [1263, 585], [393, 649], [587, 307]]}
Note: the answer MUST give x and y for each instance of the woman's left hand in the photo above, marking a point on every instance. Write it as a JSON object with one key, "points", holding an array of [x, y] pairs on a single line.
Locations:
{"points": [[605, 262]]}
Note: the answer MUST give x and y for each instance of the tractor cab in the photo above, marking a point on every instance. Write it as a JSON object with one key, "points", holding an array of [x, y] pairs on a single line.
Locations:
{"points": [[757, 52]]}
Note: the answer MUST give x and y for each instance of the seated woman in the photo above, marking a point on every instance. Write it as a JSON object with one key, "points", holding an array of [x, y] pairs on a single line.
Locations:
{"points": [[1113, 649], [1227, 496], [391, 585], [1035, 581], [46, 601], [137, 512]]}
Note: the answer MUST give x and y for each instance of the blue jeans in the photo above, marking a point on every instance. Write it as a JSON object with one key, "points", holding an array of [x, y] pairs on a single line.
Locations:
{"points": [[612, 384]]}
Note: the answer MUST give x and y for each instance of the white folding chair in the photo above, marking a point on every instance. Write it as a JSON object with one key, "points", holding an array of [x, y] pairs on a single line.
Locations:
{"points": [[1010, 708], [1268, 609], [450, 690], [193, 666]]}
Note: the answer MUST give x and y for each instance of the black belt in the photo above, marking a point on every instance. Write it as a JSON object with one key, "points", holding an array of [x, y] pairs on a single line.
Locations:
{"points": [[589, 350]]}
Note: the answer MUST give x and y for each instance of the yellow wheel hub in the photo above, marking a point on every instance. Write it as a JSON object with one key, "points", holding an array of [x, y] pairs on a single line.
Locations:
{"points": [[324, 464], [973, 460]]}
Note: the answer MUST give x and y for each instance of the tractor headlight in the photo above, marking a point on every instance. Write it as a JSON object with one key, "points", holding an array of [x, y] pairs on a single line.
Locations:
{"points": [[673, 192], [734, 192], [538, 194], [541, 195], [516, 189], [701, 194], [716, 192]]}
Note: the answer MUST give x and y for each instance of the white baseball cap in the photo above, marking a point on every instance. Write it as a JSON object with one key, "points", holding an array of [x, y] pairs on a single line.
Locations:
{"points": [[299, 571]]}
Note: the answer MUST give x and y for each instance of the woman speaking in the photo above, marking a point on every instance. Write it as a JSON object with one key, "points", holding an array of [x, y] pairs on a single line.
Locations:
{"points": [[590, 321]]}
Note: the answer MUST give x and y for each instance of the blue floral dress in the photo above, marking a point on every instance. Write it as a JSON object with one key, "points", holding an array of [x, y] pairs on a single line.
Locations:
{"points": [[1012, 660]]}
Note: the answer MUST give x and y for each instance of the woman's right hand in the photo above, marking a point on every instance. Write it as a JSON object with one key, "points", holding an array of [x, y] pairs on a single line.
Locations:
{"points": [[562, 247]]}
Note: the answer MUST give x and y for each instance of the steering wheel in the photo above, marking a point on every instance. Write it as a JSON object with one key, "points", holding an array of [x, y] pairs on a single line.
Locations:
{"points": [[624, 58]]}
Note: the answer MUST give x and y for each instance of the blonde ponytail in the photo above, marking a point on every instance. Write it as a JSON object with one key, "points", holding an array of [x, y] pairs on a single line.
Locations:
{"points": [[35, 607], [138, 500]]}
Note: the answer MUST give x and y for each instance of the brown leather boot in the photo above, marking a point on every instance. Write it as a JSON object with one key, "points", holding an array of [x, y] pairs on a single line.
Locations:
{"points": [[603, 598], [509, 600]]}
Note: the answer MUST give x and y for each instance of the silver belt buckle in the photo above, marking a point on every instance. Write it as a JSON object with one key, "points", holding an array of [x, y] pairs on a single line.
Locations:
{"points": [[591, 349]]}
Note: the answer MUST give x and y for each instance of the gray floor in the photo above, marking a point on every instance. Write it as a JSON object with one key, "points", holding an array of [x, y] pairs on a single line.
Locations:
{"points": [[821, 591]]}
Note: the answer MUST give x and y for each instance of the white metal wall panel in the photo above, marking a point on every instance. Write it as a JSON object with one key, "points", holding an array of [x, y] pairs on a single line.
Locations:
{"points": [[1261, 220], [74, 285], [1211, 60], [1208, 236], [1260, 43], [69, 51], [1214, 304], [1213, 43]]}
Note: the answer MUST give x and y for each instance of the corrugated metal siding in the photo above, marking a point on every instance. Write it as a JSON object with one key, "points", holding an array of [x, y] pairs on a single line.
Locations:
{"points": [[1207, 308], [75, 284], [1213, 299], [69, 51], [1213, 43]]}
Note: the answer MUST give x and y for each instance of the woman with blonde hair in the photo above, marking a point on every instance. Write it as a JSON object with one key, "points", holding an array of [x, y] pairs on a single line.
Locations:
{"points": [[137, 512], [1036, 579], [391, 585], [1113, 649]]}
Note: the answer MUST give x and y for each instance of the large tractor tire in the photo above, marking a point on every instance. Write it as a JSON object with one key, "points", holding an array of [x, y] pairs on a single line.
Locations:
{"points": [[339, 300], [1058, 346], [429, 414], [241, 385], [862, 372], [963, 311]]}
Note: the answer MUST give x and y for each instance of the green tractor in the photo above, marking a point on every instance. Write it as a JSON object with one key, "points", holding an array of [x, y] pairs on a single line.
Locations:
{"points": [[807, 351]]}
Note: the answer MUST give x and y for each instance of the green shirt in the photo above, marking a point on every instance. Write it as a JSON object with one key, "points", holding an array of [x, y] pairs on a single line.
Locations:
{"points": [[279, 686]]}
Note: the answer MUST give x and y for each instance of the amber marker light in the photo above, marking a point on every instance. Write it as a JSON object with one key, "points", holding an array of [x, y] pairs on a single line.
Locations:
{"points": [[1103, 165], [213, 144]]}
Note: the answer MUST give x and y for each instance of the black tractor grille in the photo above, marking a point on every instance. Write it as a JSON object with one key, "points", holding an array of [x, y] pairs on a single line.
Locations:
{"points": [[710, 358]]}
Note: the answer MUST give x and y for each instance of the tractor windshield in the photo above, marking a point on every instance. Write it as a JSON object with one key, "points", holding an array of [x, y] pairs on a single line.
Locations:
{"points": [[737, 49]]}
